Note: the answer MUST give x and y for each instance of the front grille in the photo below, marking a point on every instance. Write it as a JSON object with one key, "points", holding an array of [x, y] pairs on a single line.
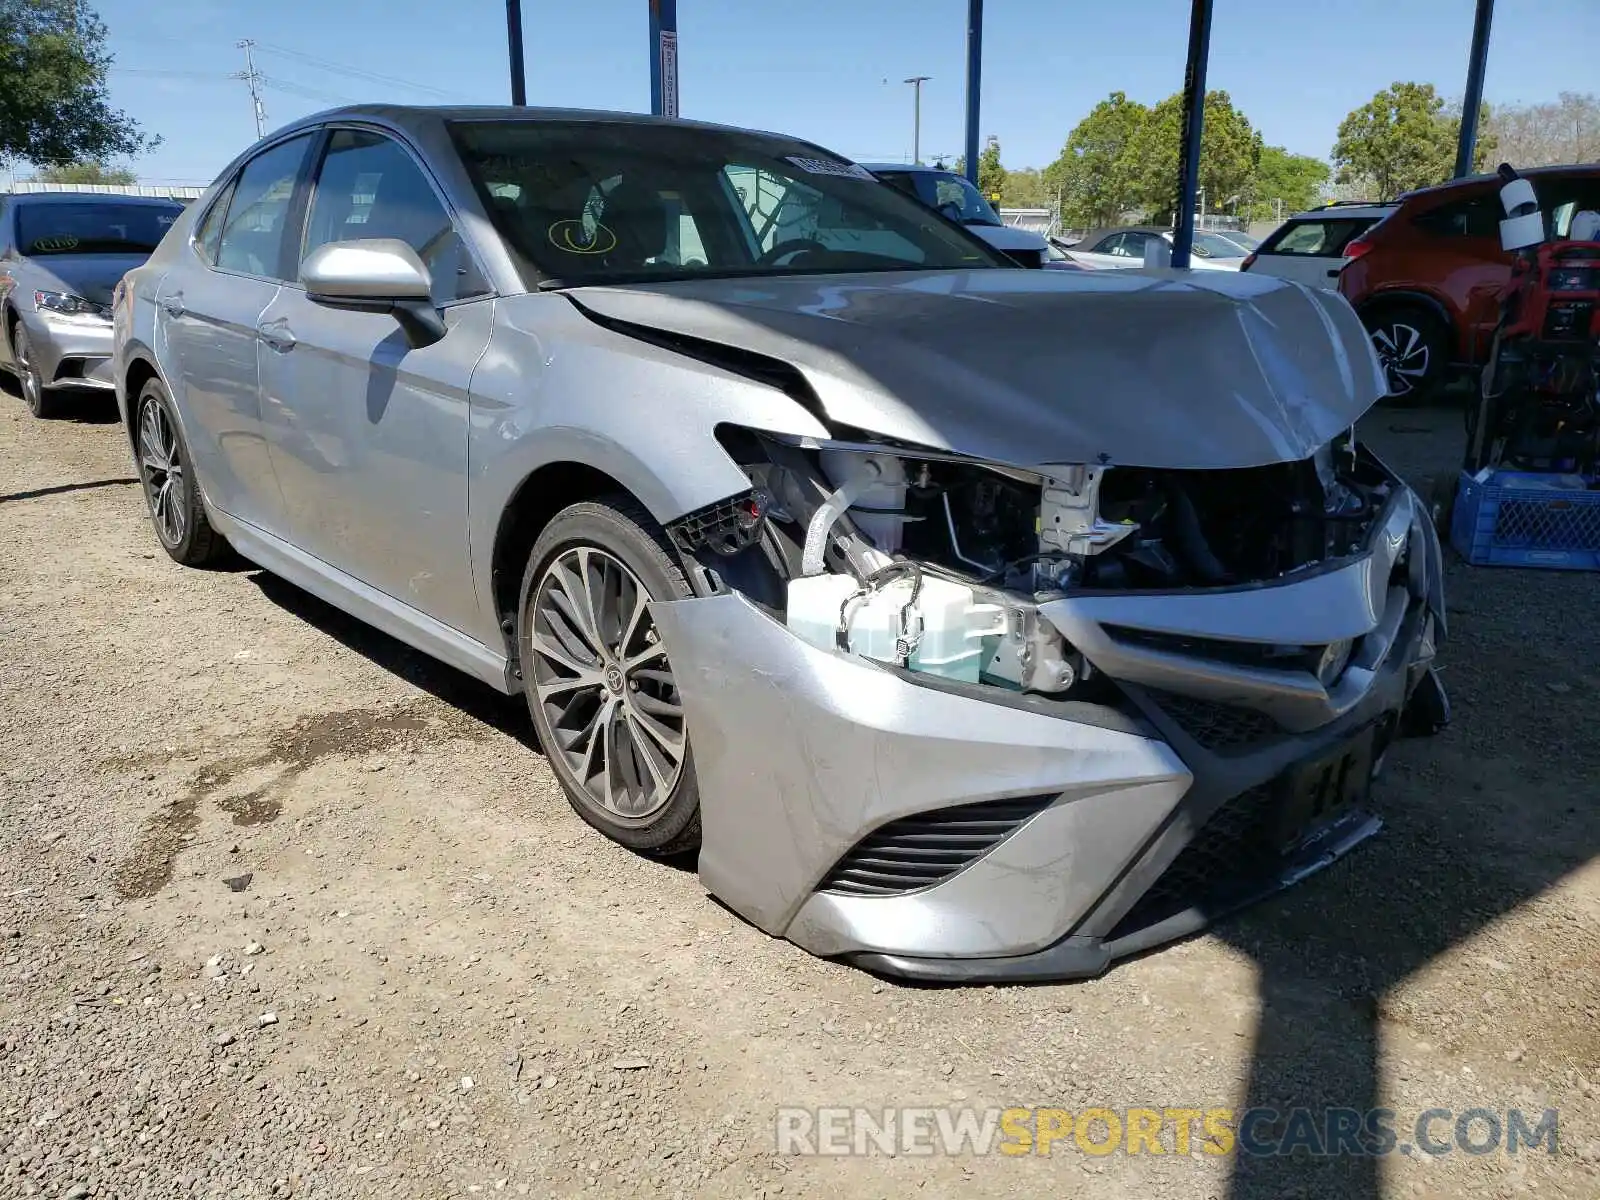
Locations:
{"points": [[1220, 728], [1238, 842], [927, 848], [1242, 654]]}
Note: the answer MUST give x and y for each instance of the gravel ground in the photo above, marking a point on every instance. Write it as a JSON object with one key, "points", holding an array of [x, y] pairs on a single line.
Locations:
{"points": [[287, 910]]}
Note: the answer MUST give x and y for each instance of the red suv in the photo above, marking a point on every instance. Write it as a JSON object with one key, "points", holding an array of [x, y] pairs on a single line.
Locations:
{"points": [[1426, 278]]}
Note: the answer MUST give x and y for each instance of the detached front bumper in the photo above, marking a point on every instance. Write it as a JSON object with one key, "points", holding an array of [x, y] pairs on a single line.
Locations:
{"points": [[72, 353], [966, 833]]}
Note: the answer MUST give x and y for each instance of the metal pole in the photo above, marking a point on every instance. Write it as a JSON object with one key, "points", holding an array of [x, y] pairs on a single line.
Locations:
{"points": [[664, 57], [253, 79], [916, 82], [974, 82], [1194, 113], [1473, 100], [519, 78]]}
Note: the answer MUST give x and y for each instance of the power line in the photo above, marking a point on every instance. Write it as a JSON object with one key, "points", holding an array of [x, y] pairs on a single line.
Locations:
{"points": [[308, 93], [356, 72]]}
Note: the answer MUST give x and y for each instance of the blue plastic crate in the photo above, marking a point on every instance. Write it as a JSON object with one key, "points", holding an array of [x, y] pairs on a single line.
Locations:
{"points": [[1518, 519]]}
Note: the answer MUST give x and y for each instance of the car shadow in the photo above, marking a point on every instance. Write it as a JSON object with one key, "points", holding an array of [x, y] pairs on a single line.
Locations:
{"points": [[507, 714], [1479, 821], [82, 407]]}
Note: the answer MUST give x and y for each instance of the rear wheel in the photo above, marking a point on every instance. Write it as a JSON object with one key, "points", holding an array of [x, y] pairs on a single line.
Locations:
{"points": [[170, 487], [597, 678], [1413, 346], [40, 403]]}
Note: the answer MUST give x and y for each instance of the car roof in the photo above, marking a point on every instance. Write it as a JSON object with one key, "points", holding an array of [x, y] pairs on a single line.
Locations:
{"points": [[27, 198], [1469, 182], [416, 117], [1348, 208]]}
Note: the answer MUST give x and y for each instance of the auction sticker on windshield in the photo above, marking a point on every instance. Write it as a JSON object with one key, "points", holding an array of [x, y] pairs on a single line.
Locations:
{"points": [[824, 166]]}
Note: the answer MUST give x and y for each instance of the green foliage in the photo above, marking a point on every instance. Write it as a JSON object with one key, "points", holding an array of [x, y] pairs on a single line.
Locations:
{"points": [[88, 172], [991, 175], [1295, 180], [1025, 188], [1229, 152], [1094, 171], [54, 108], [1405, 138]]}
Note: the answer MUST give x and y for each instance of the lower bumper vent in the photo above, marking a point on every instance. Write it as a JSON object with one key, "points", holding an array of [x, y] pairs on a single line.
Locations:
{"points": [[1217, 727], [927, 848], [1238, 843]]}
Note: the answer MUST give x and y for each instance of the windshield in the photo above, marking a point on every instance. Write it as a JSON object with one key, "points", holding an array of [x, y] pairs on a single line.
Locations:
{"points": [[610, 202], [1217, 247], [93, 228]]}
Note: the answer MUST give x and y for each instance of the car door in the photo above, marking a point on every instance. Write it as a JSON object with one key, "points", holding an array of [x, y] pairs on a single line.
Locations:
{"points": [[368, 432], [1108, 251], [207, 310], [1309, 251]]}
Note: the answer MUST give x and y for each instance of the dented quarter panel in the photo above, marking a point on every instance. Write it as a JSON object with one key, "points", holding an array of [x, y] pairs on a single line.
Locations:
{"points": [[1162, 369]]}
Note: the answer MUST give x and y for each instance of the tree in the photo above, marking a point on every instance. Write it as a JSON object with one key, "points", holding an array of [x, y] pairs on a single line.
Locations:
{"points": [[1404, 138], [1566, 130], [1293, 181], [54, 108], [991, 175], [88, 172], [1025, 188], [1094, 170], [1229, 152]]}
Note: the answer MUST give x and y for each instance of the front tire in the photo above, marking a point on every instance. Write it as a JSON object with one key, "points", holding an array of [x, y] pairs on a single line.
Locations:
{"points": [[170, 488], [597, 679], [1414, 347], [41, 403]]}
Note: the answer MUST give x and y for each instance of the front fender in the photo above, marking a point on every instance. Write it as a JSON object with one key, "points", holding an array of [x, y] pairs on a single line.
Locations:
{"points": [[554, 387]]}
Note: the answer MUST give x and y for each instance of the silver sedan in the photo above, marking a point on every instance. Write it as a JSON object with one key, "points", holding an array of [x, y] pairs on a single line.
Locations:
{"points": [[970, 622], [61, 256]]}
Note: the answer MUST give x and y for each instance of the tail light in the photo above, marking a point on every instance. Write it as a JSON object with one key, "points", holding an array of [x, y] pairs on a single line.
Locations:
{"points": [[1356, 248], [1249, 261]]}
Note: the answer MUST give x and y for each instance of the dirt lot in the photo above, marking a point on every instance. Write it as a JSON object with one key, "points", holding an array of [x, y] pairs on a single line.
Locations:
{"points": [[470, 992]]}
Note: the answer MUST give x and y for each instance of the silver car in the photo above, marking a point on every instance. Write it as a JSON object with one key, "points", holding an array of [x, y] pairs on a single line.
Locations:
{"points": [[61, 255], [972, 622]]}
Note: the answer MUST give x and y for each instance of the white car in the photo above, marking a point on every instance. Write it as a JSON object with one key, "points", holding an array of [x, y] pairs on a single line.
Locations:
{"points": [[957, 198], [1309, 247], [1125, 248]]}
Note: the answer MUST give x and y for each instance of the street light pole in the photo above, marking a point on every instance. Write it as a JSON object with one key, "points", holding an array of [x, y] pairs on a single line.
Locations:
{"points": [[916, 82], [519, 79], [1467, 142]]}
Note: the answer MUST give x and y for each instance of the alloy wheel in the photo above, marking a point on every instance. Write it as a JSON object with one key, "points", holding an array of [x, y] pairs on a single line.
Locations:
{"points": [[601, 675], [32, 385], [163, 471], [1405, 356]]}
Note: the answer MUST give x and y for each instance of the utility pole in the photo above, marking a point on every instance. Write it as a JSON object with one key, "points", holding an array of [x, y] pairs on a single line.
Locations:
{"points": [[1467, 140], [916, 82], [252, 78]]}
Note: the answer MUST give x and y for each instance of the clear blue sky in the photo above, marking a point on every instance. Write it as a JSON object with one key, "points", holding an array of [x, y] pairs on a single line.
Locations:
{"points": [[828, 70]]}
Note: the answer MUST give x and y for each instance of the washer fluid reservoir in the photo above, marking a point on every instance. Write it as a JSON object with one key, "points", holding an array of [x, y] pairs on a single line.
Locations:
{"points": [[946, 625]]}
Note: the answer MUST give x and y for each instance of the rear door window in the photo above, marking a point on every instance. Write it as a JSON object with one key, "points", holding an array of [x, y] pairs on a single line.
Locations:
{"points": [[255, 237], [1476, 217]]}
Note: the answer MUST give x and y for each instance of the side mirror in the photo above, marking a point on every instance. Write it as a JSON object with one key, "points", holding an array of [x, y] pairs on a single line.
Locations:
{"points": [[375, 275]]}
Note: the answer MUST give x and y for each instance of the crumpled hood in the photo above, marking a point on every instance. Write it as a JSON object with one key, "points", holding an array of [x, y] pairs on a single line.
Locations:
{"points": [[1141, 367], [92, 276]]}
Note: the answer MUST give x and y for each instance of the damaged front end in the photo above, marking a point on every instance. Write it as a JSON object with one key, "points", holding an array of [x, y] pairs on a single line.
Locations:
{"points": [[959, 720]]}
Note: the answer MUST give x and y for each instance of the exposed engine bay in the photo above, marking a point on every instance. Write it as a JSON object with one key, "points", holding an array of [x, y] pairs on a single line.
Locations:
{"points": [[938, 563]]}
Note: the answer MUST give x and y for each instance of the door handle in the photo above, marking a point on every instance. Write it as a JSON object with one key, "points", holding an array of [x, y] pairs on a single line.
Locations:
{"points": [[277, 335], [173, 305], [1333, 272]]}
